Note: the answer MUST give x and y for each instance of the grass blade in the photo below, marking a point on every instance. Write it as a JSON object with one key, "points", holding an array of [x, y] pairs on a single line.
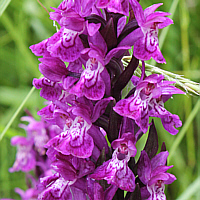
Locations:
{"points": [[3, 5], [16, 113]]}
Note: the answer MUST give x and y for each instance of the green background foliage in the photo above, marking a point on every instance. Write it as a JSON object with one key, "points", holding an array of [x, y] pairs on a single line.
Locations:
{"points": [[25, 22]]}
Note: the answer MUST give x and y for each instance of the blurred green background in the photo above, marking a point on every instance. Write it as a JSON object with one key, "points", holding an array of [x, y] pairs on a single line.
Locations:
{"points": [[25, 22]]}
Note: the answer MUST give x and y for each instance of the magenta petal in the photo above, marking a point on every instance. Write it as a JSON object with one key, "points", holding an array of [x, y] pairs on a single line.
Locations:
{"points": [[159, 160], [151, 9], [170, 89], [50, 90], [130, 107], [53, 68], [125, 179], [90, 84], [92, 28], [147, 47], [110, 192], [121, 7], [66, 45], [102, 3], [100, 172], [65, 168], [166, 23], [40, 49], [138, 11], [95, 190], [160, 169], [99, 108], [158, 177], [98, 137], [85, 113], [56, 190], [95, 92], [144, 168], [170, 123], [171, 179], [131, 38], [80, 145], [114, 51], [31, 193]]}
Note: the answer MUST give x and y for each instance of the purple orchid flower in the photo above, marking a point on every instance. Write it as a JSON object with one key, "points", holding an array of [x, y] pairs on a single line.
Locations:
{"points": [[75, 141], [70, 14], [90, 84], [67, 183], [149, 21], [25, 157], [31, 193], [67, 17], [153, 174], [95, 80], [148, 100], [38, 130], [50, 90], [54, 187], [116, 170], [65, 44]]}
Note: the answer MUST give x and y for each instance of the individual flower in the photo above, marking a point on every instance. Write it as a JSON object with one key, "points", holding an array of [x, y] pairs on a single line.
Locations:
{"points": [[31, 193], [65, 44], [149, 21], [148, 100], [49, 90], [153, 175], [38, 130], [90, 84], [95, 80], [68, 181], [67, 17], [116, 170], [25, 157], [74, 141], [54, 187]]}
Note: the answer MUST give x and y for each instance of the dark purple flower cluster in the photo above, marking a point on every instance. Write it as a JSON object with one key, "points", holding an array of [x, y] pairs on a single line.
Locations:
{"points": [[83, 82]]}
